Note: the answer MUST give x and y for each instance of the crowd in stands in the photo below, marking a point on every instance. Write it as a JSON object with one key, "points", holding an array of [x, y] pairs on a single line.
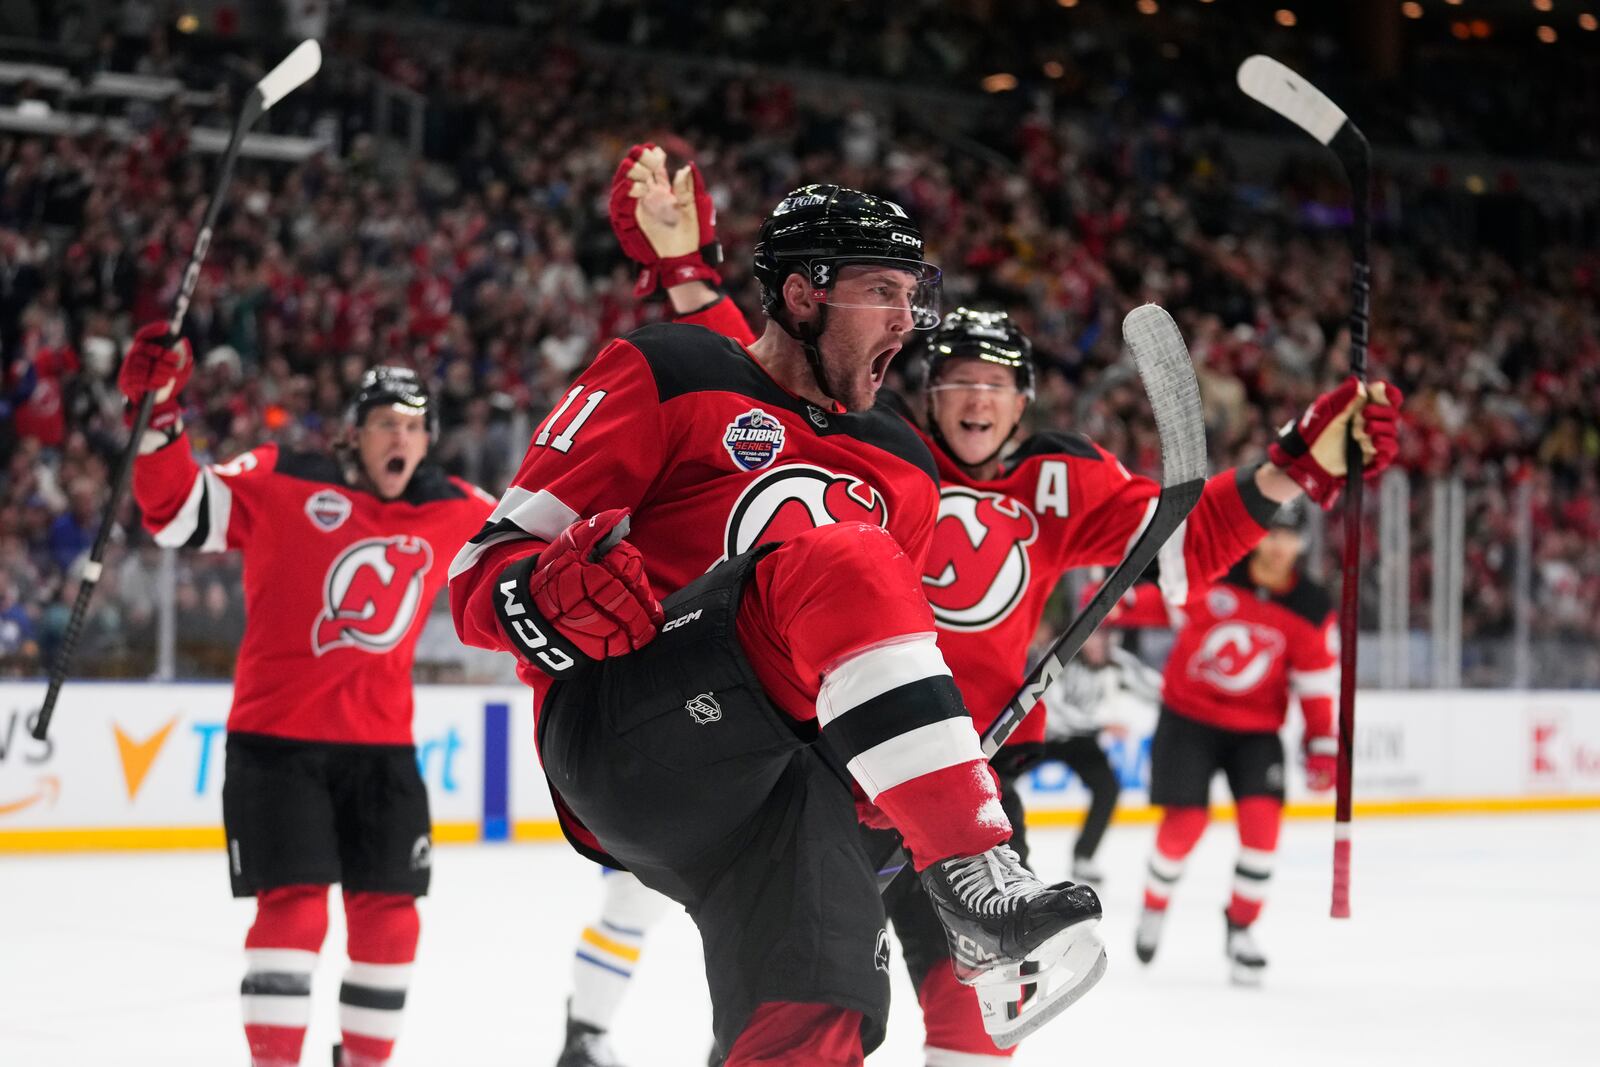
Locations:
{"points": [[491, 268]]}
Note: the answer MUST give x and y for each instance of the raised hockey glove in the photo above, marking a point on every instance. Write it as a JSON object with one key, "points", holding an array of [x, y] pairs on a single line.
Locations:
{"points": [[1321, 756], [1377, 427], [155, 365], [1311, 450], [592, 587], [668, 227]]}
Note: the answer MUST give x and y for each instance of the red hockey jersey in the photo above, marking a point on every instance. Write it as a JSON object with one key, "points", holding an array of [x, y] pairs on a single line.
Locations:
{"points": [[1001, 546], [337, 583], [1244, 649], [681, 425]]}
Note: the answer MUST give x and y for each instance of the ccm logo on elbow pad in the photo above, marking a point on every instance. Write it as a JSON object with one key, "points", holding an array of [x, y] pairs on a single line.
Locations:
{"points": [[536, 640]]}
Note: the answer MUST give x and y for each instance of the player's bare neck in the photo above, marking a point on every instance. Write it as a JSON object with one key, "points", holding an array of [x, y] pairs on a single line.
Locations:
{"points": [[785, 363]]}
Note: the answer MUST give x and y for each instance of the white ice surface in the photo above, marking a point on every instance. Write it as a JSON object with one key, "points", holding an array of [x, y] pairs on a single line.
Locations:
{"points": [[1474, 941]]}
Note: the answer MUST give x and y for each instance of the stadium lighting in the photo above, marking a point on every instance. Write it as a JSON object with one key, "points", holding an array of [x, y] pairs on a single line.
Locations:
{"points": [[1547, 34], [1285, 17], [1543, 5], [1588, 22], [1067, 3], [999, 83], [1148, 7], [1411, 9], [1053, 69]]}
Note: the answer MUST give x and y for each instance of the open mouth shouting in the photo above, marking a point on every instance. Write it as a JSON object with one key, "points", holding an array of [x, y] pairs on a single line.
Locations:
{"points": [[880, 364]]}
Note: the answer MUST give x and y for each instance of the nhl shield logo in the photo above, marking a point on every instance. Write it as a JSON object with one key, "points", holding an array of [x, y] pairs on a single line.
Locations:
{"points": [[754, 440], [704, 708], [328, 509]]}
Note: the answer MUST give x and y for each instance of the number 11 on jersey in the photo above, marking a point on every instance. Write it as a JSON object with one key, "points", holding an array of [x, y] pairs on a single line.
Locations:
{"points": [[563, 440]]}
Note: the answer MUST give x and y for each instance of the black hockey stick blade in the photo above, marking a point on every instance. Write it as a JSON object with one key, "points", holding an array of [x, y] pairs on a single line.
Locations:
{"points": [[1167, 372], [295, 70]]}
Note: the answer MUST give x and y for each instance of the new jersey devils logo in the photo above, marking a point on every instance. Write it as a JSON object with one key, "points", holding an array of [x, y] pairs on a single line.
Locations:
{"points": [[978, 562], [1235, 657], [371, 594], [792, 499]]}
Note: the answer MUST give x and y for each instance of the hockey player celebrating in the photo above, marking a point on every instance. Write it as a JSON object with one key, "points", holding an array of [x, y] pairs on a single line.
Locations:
{"points": [[1261, 634], [1007, 528], [705, 743], [341, 562]]}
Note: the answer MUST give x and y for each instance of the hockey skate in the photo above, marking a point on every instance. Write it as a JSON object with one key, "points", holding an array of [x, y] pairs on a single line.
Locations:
{"points": [[586, 1047], [1007, 930], [1248, 965], [1148, 935]]}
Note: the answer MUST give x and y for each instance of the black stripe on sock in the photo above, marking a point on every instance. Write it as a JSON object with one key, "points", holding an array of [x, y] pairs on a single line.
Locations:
{"points": [[1162, 878], [898, 711], [1254, 876], [275, 984], [364, 996]]}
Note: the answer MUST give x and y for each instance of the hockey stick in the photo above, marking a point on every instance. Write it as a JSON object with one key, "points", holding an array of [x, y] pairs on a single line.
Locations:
{"points": [[295, 70], [1271, 83], [1168, 376]]}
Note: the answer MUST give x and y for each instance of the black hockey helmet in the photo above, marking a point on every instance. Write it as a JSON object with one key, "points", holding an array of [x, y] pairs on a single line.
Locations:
{"points": [[397, 387], [817, 229], [991, 336]]}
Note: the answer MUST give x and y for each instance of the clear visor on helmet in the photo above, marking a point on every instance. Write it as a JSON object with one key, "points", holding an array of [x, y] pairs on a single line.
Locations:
{"points": [[882, 284]]}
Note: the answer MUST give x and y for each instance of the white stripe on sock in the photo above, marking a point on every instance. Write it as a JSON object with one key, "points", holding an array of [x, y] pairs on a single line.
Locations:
{"points": [[914, 753], [370, 1022], [291, 1011], [390, 976], [280, 961], [875, 671]]}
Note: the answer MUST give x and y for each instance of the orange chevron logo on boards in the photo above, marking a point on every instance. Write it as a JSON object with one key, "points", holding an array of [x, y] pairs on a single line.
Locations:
{"points": [[137, 756]]}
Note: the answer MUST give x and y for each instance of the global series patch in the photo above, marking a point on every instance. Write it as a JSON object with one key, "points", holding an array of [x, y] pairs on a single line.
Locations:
{"points": [[754, 439]]}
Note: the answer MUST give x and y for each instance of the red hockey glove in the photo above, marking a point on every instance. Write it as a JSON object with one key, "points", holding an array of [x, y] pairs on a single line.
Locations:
{"points": [[152, 366], [667, 227], [1321, 756], [592, 587], [1311, 450]]}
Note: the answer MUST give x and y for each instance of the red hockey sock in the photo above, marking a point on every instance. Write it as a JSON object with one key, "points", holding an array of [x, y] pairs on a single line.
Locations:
{"points": [[1176, 837], [838, 630], [953, 1022], [1259, 821], [783, 1034], [383, 943], [280, 956]]}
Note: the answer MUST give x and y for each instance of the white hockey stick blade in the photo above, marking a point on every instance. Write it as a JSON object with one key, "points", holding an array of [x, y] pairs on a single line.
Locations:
{"points": [[1269, 82], [1168, 376], [297, 68]]}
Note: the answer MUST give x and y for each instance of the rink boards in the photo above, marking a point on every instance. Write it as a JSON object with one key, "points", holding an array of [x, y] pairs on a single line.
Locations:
{"points": [[140, 765]]}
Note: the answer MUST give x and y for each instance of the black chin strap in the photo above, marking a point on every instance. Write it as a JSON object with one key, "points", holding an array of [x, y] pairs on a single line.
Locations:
{"points": [[810, 337]]}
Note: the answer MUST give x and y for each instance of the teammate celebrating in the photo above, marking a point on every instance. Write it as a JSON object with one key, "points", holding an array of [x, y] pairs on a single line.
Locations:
{"points": [[321, 782], [705, 743], [1249, 641]]}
